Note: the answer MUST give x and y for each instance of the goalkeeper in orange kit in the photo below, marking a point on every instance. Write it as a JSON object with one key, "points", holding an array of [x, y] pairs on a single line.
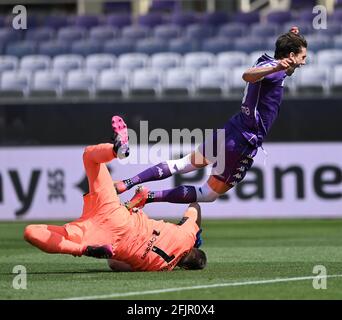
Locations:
{"points": [[129, 240]]}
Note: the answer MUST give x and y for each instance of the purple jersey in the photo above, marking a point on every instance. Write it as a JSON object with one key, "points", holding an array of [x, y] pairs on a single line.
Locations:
{"points": [[260, 104]]}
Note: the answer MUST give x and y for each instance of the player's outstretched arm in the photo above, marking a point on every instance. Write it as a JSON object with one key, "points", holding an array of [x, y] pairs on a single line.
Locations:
{"points": [[194, 212], [119, 266], [258, 73]]}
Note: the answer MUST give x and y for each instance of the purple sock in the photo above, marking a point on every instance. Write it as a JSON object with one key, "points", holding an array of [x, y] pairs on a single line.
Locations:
{"points": [[158, 172], [181, 194]]}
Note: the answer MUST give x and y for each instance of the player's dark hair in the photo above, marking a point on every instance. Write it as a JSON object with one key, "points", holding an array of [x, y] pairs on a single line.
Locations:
{"points": [[196, 260], [287, 43]]}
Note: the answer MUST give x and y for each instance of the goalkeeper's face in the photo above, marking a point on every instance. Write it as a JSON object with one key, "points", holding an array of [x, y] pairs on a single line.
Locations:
{"points": [[196, 259]]}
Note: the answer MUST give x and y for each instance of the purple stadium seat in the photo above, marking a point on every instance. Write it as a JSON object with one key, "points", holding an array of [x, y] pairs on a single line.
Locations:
{"points": [[337, 42], [183, 19], [151, 46], [336, 15], [246, 17], [21, 48], [103, 33], [9, 35], [167, 32], [86, 21], [317, 42], [54, 48], [86, 47], [8, 63], [119, 46], [40, 34], [2, 21], [264, 30], [334, 28], [71, 34], [150, 20], [198, 32], [250, 44], [233, 30], [135, 32], [306, 15], [119, 20], [164, 5], [55, 21], [279, 17], [218, 44], [34, 63], [214, 18], [181, 45]]}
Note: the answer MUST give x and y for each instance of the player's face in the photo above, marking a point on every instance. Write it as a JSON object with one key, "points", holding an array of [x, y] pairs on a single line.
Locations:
{"points": [[300, 57]]}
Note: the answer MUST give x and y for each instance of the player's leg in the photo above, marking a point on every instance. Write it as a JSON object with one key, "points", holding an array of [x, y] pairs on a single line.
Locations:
{"points": [[52, 239], [163, 170], [95, 157], [208, 192]]}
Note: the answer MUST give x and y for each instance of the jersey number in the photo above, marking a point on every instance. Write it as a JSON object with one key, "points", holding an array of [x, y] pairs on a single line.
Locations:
{"points": [[163, 254]]}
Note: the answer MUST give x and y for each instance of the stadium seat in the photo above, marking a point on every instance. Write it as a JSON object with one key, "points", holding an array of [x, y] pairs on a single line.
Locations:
{"points": [[8, 35], [264, 30], [145, 83], [212, 81], [232, 30], [198, 60], [86, 21], [337, 41], [218, 44], [14, 84], [103, 33], [67, 62], [181, 45], [34, 63], [119, 20], [336, 15], [21, 48], [70, 34], [8, 63], [317, 43], [165, 60], [150, 20], [47, 84], [329, 57], [336, 81], [183, 19], [167, 32], [228, 60], [237, 84], [214, 19], [249, 44], [132, 61], [198, 32], [333, 29], [112, 83], [135, 32], [79, 83], [86, 47], [312, 80], [54, 48], [55, 21], [178, 82], [119, 46], [99, 62], [247, 18], [151, 46], [279, 17], [40, 34]]}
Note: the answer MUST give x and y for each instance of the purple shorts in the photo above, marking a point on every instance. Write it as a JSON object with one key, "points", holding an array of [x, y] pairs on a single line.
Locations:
{"points": [[231, 154]]}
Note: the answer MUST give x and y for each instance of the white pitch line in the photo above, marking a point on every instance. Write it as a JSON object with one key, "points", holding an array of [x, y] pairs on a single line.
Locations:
{"points": [[216, 285]]}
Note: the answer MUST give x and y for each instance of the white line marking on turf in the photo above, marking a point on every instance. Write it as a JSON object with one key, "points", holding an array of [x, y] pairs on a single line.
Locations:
{"points": [[215, 285]]}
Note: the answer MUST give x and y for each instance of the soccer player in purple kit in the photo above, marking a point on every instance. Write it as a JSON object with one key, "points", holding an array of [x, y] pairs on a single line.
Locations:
{"points": [[244, 132]]}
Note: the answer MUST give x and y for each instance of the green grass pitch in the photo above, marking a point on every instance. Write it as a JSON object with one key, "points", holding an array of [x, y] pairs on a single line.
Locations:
{"points": [[239, 251]]}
